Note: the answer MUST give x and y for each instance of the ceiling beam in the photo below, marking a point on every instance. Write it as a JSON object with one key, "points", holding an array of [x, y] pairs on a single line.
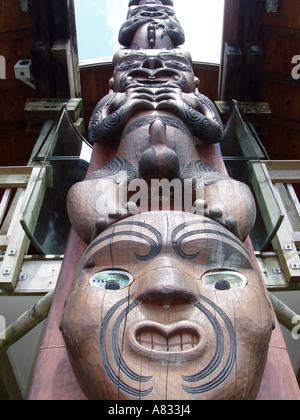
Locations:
{"points": [[56, 73]]}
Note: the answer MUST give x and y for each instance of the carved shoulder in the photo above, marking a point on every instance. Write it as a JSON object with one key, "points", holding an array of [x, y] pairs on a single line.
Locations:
{"points": [[105, 117]]}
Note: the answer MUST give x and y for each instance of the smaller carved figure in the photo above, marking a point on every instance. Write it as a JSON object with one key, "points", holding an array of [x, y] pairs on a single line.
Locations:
{"points": [[140, 2], [151, 26]]}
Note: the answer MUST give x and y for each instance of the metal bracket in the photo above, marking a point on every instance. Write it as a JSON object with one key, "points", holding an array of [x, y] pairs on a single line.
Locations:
{"points": [[271, 6], [25, 6]]}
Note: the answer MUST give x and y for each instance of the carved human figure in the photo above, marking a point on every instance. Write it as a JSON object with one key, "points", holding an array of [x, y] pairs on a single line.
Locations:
{"points": [[164, 306], [151, 25], [153, 112], [154, 81]]}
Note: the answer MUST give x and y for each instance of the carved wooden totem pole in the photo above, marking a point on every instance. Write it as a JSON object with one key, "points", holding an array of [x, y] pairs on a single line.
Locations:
{"points": [[166, 302]]}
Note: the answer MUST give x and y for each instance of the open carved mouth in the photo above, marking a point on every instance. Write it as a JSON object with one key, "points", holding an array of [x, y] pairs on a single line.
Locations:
{"points": [[152, 81], [173, 343], [180, 340], [153, 15]]}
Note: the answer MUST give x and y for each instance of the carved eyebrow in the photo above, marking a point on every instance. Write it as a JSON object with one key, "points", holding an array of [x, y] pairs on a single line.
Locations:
{"points": [[173, 56], [233, 247], [232, 244], [134, 56], [155, 245]]}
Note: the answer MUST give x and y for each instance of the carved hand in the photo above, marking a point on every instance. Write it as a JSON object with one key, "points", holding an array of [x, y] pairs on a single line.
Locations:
{"points": [[206, 127], [110, 116]]}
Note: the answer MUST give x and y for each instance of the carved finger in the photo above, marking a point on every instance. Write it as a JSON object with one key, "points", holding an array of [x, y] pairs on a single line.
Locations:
{"points": [[141, 105], [168, 105], [166, 96], [140, 96]]}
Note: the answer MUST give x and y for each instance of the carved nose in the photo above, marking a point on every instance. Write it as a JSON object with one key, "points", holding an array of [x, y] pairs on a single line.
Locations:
{"points": [[152, 64], [168, 287]]}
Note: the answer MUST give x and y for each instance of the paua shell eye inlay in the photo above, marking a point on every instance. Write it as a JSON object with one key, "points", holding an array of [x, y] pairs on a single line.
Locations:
{"points": [[224, 280], [111, 279]]}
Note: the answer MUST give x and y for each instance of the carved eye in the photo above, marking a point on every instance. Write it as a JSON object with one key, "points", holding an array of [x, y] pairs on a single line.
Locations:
{"points": [[111, 279], [224, 280], [177, 65], [127, 65]]}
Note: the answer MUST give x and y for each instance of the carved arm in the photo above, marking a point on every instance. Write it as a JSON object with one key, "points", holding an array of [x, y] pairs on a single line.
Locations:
{"points": [[199, 113], [111, 114]]}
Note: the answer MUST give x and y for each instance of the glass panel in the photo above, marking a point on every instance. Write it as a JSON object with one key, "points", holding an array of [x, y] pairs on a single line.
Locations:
{"points": [[239, 147], [66, 155]]}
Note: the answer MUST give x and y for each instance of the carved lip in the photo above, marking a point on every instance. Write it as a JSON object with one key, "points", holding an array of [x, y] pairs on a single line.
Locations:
{"points": [[154, 14], [172, 343], [151, 81]]}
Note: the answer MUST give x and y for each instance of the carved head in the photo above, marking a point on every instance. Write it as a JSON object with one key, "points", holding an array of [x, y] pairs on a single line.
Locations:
{"points": [[151, 25], [154, 68], [155, 11], [167, 305], [140, 2]]}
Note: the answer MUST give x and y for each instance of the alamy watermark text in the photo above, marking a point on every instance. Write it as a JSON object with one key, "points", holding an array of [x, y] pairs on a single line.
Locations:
{"points": [[296, 68], [2, 67]]}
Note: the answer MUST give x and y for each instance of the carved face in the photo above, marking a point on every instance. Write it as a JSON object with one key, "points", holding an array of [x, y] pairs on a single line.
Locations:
{"points": [[151, 11], [167, 305], [151, 25], [140, 2], [146, 68]]}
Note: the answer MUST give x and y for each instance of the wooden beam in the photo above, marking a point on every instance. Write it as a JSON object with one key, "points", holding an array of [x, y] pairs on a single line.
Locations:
{"points": [[9, 389], [257, 113], [38, 111], [26, 322], [14, 177], [58, 73], [254, 68], [64, 71], [283, 242], [74, 46], [231, 72], [18, 241], [284, 314], [42, 69], [42, 15], [37, 276]]}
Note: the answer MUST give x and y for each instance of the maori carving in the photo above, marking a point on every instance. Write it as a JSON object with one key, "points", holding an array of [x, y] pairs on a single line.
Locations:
{"points": [[159, 308], [165, 288], [154, 112], [151, 26], [154, 83]]}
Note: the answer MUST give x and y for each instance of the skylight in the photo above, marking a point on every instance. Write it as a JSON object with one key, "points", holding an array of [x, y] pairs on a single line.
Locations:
{"points": [[99, 21]]}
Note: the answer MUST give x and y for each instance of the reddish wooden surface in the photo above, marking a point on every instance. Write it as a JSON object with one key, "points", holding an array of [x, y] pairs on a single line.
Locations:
{"points": [[53, 376]]}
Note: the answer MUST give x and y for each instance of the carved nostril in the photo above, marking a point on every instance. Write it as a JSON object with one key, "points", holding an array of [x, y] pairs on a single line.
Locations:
{"points": [[167, 297], [146, 65], [157, 64], [152, 64]]}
